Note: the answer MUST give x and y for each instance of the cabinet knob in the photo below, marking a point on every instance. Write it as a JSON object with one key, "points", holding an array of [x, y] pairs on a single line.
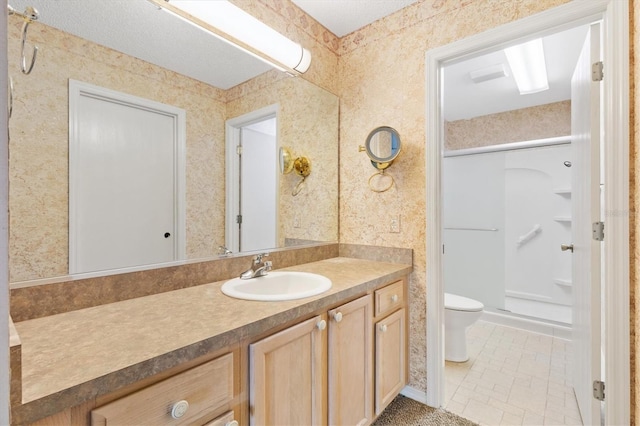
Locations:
{"points": [[383, 328], [322, 324], [394, 298], [337, 316], [232, 423], [179, 409]]}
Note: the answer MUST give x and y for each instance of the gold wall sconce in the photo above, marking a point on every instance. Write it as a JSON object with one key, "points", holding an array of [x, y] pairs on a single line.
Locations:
{"points": [[301, 165], [383, 146]]}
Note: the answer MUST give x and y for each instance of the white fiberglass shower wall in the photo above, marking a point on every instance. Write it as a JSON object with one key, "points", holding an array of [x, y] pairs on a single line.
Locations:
{"points": [[507, 212]]}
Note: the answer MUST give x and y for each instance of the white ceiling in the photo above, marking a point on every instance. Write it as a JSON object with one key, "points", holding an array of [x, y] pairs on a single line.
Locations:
{"points": [[464, 99], [342, 17]]}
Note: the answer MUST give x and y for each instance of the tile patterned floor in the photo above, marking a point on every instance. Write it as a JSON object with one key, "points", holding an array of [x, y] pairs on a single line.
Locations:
{"points": [[513, 377]]}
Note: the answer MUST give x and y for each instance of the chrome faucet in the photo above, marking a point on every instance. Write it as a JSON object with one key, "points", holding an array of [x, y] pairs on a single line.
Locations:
{"points": [[258, 268], [223, 251]]}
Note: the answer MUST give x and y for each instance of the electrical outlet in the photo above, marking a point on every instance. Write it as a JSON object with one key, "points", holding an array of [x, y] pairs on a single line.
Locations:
{"points": [[395, 224]]}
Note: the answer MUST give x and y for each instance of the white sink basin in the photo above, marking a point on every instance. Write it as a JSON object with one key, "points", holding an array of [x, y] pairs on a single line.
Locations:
{"points": [[276, 286]]}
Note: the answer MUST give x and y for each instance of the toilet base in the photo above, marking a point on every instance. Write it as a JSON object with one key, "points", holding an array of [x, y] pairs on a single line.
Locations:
{"points": [[455, 345]]}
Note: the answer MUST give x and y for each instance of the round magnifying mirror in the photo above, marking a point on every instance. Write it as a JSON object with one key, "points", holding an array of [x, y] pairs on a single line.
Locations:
{"points": [[383, 146]]}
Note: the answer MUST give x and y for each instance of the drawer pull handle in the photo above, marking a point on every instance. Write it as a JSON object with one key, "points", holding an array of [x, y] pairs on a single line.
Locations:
{"points": [[232, 423], [337, 316], [322, 324], [179, 409], [383, 328], [394, 298]]}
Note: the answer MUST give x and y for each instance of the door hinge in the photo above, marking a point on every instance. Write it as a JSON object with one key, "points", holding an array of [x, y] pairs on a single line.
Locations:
{"points": [[598, 231], [597, 73], [598, 390], [239, 149], [239, 219]]}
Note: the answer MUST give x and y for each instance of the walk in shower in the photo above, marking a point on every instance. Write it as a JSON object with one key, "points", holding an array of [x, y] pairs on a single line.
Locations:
{"points": [[507, 211]]}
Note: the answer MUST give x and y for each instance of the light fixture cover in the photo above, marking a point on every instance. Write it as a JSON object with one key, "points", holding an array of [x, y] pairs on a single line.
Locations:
{"points": [[230, 19], [528, 66]]}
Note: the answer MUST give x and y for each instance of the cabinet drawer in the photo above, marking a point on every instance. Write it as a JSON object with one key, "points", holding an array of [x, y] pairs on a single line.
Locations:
{"points": [[205, 388], [227, 419], [389, 298]]}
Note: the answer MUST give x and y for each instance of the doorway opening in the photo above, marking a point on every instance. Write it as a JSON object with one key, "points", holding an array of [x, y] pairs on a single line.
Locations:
{"points": [[508, 182], [613, 14], [252, 181]]}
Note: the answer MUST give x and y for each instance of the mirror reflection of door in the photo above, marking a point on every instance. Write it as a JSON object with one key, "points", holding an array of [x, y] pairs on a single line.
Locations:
{"points": [[258, 191], [125, 204]]}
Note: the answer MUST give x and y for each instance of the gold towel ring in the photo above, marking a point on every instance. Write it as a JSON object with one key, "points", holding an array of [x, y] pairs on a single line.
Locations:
{"points": [[298, 187], [382, 174]]}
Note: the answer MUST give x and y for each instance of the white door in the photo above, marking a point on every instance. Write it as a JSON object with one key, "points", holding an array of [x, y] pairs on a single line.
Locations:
{"points": [[585, 129], [258, 195], [123, 181], [252, 182]]}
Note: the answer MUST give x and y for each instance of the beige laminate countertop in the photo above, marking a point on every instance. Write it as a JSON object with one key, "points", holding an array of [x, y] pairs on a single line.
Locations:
{"points": [[71, 357]]}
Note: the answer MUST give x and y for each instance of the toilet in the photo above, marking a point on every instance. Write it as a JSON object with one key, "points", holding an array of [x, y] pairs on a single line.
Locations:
{"points": [[460, 314]]}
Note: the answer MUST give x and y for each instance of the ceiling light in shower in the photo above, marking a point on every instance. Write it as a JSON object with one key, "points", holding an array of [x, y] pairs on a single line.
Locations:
{"points": [[235, 26], [488, 73], [528, 66]]}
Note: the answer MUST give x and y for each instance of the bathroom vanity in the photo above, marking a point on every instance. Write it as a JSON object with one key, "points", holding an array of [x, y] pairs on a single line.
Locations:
{"points": [[196, 356]]}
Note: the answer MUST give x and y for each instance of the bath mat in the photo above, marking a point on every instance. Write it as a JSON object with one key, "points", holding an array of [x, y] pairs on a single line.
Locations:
{"points": [[407, 412]]}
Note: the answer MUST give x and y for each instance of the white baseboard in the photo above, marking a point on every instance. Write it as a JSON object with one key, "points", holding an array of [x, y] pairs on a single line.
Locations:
{"points": [[415, 394]]}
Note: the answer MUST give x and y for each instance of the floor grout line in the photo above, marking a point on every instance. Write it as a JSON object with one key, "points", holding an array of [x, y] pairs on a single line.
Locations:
{"points": [[512, 377]]}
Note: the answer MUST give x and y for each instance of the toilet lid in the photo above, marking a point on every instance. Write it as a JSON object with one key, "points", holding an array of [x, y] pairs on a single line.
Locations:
{"points": [[460, 303]]}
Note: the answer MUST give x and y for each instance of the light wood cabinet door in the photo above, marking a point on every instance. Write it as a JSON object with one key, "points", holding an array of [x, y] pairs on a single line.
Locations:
{"points": [[390, 358], [287, 376], [351, 363]]}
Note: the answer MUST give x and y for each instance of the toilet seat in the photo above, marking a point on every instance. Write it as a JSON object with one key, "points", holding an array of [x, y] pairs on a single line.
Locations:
{"points": [[460, 303]]}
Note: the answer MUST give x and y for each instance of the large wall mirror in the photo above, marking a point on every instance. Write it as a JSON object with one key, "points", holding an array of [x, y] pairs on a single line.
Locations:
{"points": [[130, 47]]}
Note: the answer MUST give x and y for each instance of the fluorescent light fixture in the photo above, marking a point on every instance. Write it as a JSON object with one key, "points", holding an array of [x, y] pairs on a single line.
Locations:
{"points": [[528, 66], [488, 73], [233, 25]]}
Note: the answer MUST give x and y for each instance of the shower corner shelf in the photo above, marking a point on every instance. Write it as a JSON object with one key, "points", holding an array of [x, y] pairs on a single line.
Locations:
{"points": [[562, 191], [563, 282], [562, 218]]}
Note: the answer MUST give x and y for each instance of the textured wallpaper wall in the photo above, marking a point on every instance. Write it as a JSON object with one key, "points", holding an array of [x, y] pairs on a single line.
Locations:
{"points": [[382, 82], [539, 122]]}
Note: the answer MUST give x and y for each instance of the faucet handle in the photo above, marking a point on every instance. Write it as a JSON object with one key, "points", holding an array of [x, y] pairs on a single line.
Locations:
{"points": [[223, 251], [258, 258]]}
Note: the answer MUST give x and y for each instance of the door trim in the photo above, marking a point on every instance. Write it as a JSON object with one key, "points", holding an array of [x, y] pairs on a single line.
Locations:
{"points": [[5, 368], [232, 140], [616, 141], [616, 247], [78, 89]]}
